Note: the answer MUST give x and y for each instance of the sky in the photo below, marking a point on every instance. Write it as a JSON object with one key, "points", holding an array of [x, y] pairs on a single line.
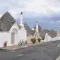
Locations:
{"points": [[46, 12]]}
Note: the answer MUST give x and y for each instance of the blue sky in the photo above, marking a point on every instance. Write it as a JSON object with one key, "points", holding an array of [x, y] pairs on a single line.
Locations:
{"points": [[46, 12]]}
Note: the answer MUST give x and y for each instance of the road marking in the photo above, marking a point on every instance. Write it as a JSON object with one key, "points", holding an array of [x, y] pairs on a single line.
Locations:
{"points": [[20, 54], [58, 45]]}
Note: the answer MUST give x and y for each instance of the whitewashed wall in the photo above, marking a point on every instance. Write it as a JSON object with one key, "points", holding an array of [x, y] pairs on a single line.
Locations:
{"points": [[48, 38], [22, 35], [55, 38], [5, 36], [15, 29], [15, 26]]}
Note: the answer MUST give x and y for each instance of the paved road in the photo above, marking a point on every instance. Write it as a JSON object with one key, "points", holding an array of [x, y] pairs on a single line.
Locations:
{"points": [[45, 51]]}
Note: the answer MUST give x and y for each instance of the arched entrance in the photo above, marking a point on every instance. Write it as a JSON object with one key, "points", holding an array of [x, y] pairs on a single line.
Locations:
{"points": [[13, 36]]}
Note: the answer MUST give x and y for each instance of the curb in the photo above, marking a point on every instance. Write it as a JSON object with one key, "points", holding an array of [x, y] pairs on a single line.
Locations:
{"points": [[20, 47]]}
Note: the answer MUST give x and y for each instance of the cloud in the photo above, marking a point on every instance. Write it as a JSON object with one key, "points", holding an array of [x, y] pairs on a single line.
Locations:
{"points": [[47, 12], [36, 6], [44, 6]]}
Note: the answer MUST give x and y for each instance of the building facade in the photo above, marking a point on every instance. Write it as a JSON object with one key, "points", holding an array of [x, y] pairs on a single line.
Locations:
{"points": [[10, 31]]}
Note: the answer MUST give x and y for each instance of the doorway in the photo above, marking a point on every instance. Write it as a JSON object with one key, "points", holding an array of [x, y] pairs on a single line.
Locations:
{"points": [[12, 38]]}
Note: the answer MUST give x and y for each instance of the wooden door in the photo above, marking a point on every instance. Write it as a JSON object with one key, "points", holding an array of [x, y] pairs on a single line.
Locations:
{"points": [[12, 38]]}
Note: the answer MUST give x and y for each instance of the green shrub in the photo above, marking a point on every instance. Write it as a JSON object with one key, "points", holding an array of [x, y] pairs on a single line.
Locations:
{"points": [[33, 40], [39, 39]]}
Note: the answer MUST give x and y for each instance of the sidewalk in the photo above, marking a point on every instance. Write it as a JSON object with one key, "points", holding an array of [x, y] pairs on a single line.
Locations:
{"points": [[15, 47]]}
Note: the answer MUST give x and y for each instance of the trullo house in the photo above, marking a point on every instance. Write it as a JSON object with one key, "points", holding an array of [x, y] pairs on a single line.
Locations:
{"points": [[10, 31]]}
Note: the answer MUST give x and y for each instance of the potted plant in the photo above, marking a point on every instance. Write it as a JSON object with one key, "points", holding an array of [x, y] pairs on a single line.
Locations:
{"points": [[39, 39], [33, 40]]}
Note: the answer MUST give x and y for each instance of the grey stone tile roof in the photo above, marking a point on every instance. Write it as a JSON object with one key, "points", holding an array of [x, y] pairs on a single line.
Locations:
{"points": [[28, 29], [6, 22], [51, 33], [39, 28], [33, 31], [42, 32]]}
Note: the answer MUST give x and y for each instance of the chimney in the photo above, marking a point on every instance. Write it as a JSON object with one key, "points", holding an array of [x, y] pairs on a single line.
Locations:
{"points": [[37, 26], [21, 18]]}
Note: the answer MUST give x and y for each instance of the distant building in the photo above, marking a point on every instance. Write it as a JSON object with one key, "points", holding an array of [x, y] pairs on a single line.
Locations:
{"points": [[47, 38], [36, 34], [58, 34], [12, 32]]}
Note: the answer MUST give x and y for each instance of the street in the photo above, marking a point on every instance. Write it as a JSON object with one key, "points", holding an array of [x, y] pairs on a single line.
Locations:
{"points": [[45, 51]]}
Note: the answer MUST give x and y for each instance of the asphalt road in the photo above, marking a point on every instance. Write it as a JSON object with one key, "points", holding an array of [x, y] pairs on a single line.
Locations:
{"points": [[45, 51]]}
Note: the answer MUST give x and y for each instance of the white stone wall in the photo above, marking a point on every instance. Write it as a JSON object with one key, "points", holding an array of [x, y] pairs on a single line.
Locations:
{"points": [[22, 35], [48, 38], [15, 26], [5, 36]]}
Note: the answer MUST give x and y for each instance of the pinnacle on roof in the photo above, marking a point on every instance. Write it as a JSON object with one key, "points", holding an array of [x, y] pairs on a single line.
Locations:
{"points": [[21, 12]]}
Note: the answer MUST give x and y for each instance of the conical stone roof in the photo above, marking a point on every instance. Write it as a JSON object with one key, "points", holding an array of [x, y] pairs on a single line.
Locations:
{"points": [[6, 22], [28, 29]]}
